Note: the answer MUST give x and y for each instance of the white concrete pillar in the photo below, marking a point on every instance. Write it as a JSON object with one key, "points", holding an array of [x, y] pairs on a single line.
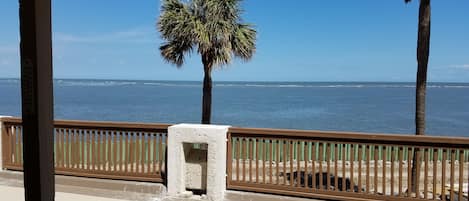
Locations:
{"points": [[215, 137], [1, 149]]}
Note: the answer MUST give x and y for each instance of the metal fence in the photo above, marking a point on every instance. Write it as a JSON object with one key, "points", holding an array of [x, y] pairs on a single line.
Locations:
{"points": [[115, 150], [347, 166]]}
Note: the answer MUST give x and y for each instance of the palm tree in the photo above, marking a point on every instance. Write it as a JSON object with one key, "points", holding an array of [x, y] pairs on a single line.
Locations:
{"points": [[423, 51], [214, 28]]}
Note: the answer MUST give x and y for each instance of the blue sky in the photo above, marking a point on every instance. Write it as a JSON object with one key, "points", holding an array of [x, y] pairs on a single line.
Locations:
{"points": [[299, 40]]}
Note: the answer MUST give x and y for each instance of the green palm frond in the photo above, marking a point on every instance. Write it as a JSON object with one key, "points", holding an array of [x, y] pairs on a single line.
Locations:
{"points": [[243, 42], [174, 51], [213, 27]]}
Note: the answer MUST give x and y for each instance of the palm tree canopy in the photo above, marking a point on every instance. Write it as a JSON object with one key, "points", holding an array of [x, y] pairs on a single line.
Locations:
{"points": [[213, 27]]}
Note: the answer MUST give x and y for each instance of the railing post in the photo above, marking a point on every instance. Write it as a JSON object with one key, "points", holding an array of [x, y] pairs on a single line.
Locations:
{"points": [[186, 164], [2, 137]]}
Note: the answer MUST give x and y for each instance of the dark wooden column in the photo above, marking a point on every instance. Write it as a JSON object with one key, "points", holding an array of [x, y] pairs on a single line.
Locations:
{"points": [[37, 99]]}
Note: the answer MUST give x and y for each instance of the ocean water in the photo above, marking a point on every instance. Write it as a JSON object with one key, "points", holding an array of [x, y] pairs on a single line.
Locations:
{"points": [[363, 107]]}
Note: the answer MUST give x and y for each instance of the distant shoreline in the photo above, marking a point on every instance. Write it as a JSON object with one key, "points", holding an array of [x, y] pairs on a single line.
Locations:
{"points": [[239, 81]]}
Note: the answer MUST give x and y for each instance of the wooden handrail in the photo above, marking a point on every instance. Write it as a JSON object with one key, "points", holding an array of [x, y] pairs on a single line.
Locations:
{"points": [[110, 125], [340, 136]]}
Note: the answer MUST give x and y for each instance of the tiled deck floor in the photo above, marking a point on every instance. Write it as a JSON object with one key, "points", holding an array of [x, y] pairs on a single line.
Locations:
{"points": [[86, 189]]}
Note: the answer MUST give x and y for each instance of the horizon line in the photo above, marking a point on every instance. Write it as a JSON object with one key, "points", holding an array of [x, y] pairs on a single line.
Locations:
{"points": [[270, 81]]}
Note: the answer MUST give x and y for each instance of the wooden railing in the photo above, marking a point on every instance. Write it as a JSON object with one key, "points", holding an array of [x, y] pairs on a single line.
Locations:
{"points": [[317, 164], [116, 150], [347, 166]]}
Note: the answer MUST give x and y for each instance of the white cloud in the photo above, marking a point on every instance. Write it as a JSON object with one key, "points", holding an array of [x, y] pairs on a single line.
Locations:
{"points": [[135, 35], [9, 49], [460, 66], [4, 62]]}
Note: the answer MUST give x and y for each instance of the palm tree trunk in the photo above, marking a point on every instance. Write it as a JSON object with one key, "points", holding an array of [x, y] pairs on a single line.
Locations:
{"points": [[207, 92], [423, 51]]}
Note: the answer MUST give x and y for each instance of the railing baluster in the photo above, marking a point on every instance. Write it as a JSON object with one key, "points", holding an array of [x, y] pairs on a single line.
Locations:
{"points": [[127, 152], [451, 192], [73, 148], [110, 151], [257, 159], [238, 153], [425, 174], [360, 155], [161, 150], [118, 138], [138, 151], [70, 148], [4, 135], [419, 164], [367, 151], [298, 165], [344, 176], [443, 174], [97, 150], [393, 159], [284, 162], [80, 149], [156, 152], [115, 151], [461, 174], [148, 158], [336, 176], [375, 175], [264, 159], [62, 152], [270, 160], [95, 145], [123, 151], [13, 145], [89, 149], [435, 169], [409, 171], [313, 162], [133, 150], [352, 160], [277, 161], [20, 143], [305, 158], [148, 164], [401, 160], [76, 149], [243, 157], [321, 159], [292, 178], [328, 164], [229, 161], [383, 181], [93, 149], [250, 142], [142, 152], [99, 141]]}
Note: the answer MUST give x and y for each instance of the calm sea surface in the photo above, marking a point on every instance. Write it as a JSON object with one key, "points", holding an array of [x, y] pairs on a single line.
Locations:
{"points": [[366, 107]]}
